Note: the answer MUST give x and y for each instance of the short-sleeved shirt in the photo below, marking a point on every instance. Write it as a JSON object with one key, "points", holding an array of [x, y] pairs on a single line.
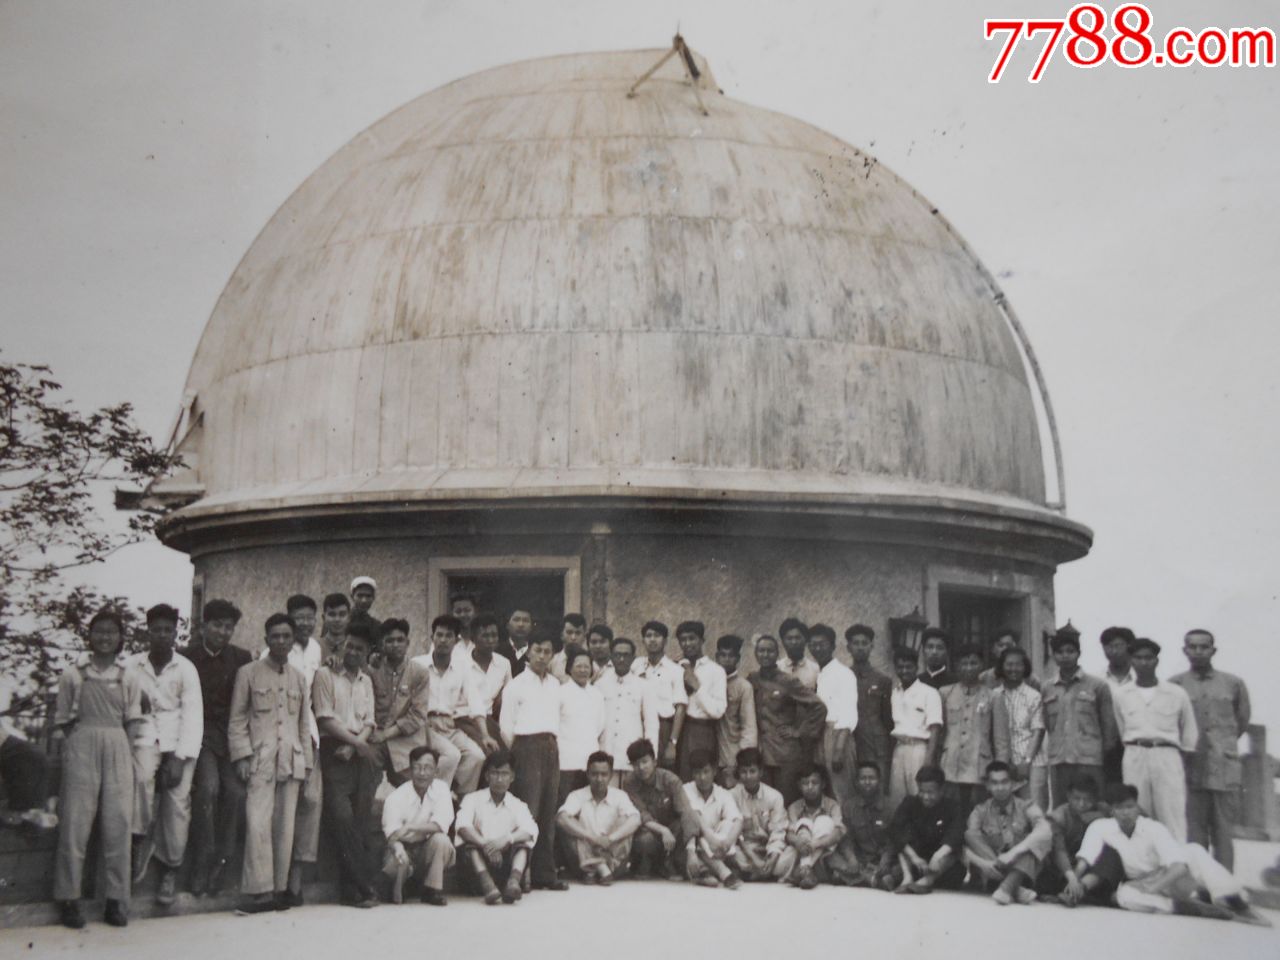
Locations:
{"points": [[1026, 716], [454, 692], [666, 680], [1221, 704], [491, 681], [1004, 828], [715, 812], [404, 808], [492, 820], [1150, 847], [838, 691], [926, 829], [661, 800], [915, 710], [336, 696], [711, 699], [601, 816]]}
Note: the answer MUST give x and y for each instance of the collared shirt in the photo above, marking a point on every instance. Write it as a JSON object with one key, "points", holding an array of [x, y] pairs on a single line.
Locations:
{"points": [[530, 705], [630, 714], [806, 671], [976, 731], [306, 660], [1080, 723], [764, 817], [404, 808], [867, 821], [176, 720], [1167, 717], [875, 713], [661, 800], [915, 710], [1069, 829], [838, 691], [490, 682], [1005, 828], [1026, 716], [1151, 847], [217, 674], [600, 816], [926, 829], [493, 820], [1116, 683], [785, 709], [710, 700], [336, 696], [737, 728], [717, 814], [666, 679], [559, 666], [582, 719], [269, 721], [942, 677], [454, 691], [400, 707], [1221, 704], [800, 816], [601, 670]]}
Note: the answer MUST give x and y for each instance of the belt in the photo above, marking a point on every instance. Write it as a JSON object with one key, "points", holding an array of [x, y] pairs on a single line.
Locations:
{"points": [[708, 720], [438, 713], [1149, 743]]}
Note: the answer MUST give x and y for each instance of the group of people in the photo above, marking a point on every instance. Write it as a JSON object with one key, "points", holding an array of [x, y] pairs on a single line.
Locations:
{"points": [[524, 758]]}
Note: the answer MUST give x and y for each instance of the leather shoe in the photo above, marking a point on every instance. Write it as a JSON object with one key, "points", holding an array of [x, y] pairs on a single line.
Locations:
{"points": [[115, 915], [70, 914], [556, 885], [218, 876]]}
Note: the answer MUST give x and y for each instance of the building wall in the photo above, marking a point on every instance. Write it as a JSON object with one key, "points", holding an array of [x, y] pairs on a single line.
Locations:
{"points": [[735, 584]]}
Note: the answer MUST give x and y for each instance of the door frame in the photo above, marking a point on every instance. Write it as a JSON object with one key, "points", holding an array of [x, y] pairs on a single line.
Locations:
{"points": [[439, 570]]}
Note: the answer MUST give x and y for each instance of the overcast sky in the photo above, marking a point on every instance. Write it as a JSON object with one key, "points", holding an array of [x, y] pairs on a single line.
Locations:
{"points": [[1132, 216]]}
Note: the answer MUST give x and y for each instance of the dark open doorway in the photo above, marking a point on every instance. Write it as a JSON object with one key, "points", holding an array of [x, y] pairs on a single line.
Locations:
{"points": [[539, 592], [979, 618]]}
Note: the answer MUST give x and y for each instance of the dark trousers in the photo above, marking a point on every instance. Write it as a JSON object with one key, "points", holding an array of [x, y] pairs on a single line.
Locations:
{"points": [[570, 780], [785, 779], [648, 859], [349, 786], [968, 795], [217, 810], [25, 774], [1113, 764], [1061, 775], [537, 782], [695, 735], [1211, 816]]}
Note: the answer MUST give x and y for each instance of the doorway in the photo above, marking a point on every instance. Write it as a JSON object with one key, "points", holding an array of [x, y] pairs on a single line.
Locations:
{"points": [[539, 592], [978, 619]]}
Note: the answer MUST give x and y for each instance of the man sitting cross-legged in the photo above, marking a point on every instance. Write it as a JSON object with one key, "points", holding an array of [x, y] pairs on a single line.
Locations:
{"points": [[867, 844], [666, 822], [415, 820], [1007, 840], [815, 829], [495, 832], [764, 820], [718, 822], [928, 833], [600, 819]]}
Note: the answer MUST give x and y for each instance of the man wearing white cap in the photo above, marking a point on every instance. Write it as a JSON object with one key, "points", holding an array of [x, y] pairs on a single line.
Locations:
{"points": [[363, 590]]}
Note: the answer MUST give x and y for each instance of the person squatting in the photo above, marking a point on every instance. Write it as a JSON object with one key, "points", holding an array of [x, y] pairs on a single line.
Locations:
{"points": [[517, 760]]}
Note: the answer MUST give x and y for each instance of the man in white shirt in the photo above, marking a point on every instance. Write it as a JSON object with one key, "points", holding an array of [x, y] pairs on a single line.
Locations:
{"points": [[665, 679], [763, 839], [573, 633], [600, 819], [495, 831], [491, 671], [794, 634], [167, 743], [529, 721], [1150, 871], [838, 691], [415, 822], [600, 647], [707, 686], [455, 708], [1157, 725], [917, 726], [719, 822], [630, 708]]}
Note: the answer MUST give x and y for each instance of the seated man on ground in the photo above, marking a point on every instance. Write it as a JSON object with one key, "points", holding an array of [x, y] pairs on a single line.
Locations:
{"points": [[718, 822], [1058, 879], [1151, 872], [495, 832], [764, 820], [600, 820], [1007, 840], [815, 829], [867, 845], [657, 849], [415, 820], [928, 835]]}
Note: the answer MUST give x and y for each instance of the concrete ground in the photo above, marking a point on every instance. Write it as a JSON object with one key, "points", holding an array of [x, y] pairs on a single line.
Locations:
{"points": [[653, 920]]}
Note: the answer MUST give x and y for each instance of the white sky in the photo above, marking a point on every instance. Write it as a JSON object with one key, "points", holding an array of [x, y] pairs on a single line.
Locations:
{"points": [[1133, 217]]}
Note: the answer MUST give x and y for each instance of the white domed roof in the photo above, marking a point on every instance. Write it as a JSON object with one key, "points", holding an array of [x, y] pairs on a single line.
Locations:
{"points": [[525, 283]]}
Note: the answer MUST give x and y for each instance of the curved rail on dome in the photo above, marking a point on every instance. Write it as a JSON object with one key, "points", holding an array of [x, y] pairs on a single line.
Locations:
{"points": [[1027, 351]]}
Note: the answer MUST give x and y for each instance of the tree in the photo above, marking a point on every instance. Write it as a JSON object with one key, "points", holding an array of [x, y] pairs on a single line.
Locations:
{"points": [[56, 465]]}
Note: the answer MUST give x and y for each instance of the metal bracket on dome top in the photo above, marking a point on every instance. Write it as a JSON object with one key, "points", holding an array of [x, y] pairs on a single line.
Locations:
{"points": [[678, 46]]}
